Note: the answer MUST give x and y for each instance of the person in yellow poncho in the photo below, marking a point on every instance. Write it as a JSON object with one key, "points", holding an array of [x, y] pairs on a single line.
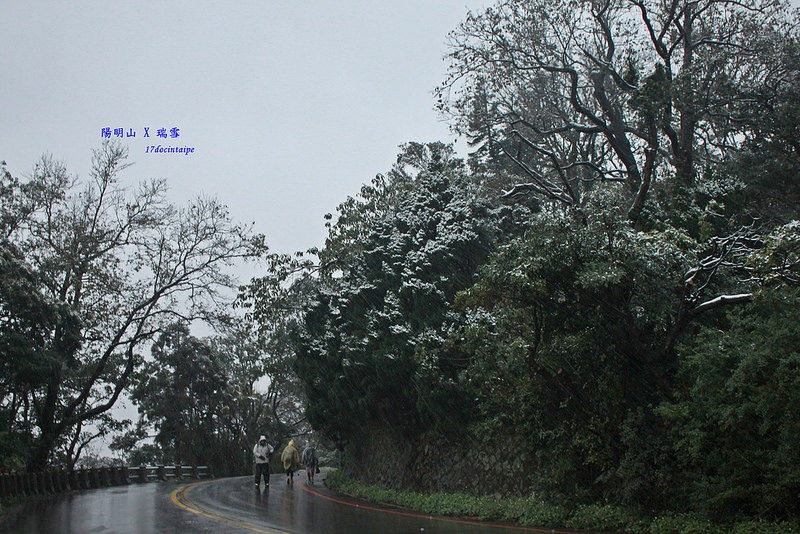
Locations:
{"points": [[290, 460]]}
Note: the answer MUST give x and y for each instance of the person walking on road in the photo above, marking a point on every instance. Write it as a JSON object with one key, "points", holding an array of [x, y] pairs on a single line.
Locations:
{"points": [[262, 452], [310, 461], [290, 460]]}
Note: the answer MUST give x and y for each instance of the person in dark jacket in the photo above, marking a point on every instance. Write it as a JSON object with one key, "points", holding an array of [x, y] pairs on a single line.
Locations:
{"points": [[262, 452], [310, 461]]}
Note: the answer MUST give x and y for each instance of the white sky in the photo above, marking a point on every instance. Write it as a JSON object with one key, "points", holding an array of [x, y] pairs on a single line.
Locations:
{"points": [[290, 106]]}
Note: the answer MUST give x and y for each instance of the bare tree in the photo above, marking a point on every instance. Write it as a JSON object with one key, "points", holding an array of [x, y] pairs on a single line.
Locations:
{"points": [[124, 261], [630, 91]]}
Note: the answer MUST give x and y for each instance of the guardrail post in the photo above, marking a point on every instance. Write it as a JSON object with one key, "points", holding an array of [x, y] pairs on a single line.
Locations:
{"points": [[53, 479], [94, 477], [48, 485], [195, 472], [60, 478], [116, 475], [179, 471], [125, 477], [16, 484], [12, 489], [162, 472], [85, 483]]}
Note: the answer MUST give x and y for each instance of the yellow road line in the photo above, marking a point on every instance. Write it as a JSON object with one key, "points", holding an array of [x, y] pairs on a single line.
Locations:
{"points": [[179, 498]]}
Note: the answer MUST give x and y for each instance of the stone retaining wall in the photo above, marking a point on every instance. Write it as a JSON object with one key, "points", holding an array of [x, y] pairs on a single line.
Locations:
{"points": [[435, 464]]}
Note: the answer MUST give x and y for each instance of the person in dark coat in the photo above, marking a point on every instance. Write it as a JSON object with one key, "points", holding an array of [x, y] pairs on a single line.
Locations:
{"points": [[310, 461]]}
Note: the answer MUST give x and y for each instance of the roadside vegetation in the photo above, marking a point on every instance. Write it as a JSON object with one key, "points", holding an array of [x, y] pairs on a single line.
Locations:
{"points": [[538, 513]]}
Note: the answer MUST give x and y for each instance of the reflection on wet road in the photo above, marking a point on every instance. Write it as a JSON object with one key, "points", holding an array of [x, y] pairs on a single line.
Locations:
{"points": [[227, 506]]}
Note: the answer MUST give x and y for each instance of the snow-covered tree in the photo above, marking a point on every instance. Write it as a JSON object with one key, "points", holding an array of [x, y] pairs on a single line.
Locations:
{"points": [[379, 303]]}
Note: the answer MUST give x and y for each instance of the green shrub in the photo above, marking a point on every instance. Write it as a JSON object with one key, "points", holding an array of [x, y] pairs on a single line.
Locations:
{"points": [[544, 515], [735, 425], [763, 527], [683, 524], [603, 517]]}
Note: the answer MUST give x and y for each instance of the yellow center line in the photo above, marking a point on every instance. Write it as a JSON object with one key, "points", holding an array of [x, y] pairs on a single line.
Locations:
{"points": [[179, 498]]}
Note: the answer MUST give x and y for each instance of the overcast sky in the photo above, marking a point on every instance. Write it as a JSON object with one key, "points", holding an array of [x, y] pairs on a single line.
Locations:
{"points": [[290, 106]]}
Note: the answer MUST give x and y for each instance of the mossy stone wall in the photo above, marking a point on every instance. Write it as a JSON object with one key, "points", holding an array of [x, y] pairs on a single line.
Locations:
{"points": [[434, 463]]}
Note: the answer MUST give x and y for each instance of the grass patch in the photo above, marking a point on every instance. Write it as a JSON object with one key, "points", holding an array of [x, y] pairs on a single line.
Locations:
{"points": [[537, 513], [517, 510]]}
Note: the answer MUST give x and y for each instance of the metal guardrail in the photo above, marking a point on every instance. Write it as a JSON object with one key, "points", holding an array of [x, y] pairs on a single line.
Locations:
{"points": [[61, 480]]}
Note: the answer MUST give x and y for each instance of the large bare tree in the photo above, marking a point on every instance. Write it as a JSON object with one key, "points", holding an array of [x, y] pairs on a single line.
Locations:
{"points": [[124, 261], [631, 91]]}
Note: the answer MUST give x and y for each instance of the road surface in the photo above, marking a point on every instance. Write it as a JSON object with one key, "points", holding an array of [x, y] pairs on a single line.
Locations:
{"points": [[230, 505]]}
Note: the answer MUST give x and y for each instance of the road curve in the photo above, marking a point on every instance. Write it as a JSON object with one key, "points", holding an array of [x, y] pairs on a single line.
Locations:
{"points": [[230, 505]]}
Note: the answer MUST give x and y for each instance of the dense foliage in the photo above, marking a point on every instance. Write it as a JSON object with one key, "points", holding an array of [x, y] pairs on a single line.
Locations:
{"points": [[182, 392], [369, 344], [200, 401], [564, 337], [33, 332], [736, 418]]}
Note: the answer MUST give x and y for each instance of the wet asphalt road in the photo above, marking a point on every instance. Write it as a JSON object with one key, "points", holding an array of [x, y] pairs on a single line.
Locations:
{"points": [[230, 505]]}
